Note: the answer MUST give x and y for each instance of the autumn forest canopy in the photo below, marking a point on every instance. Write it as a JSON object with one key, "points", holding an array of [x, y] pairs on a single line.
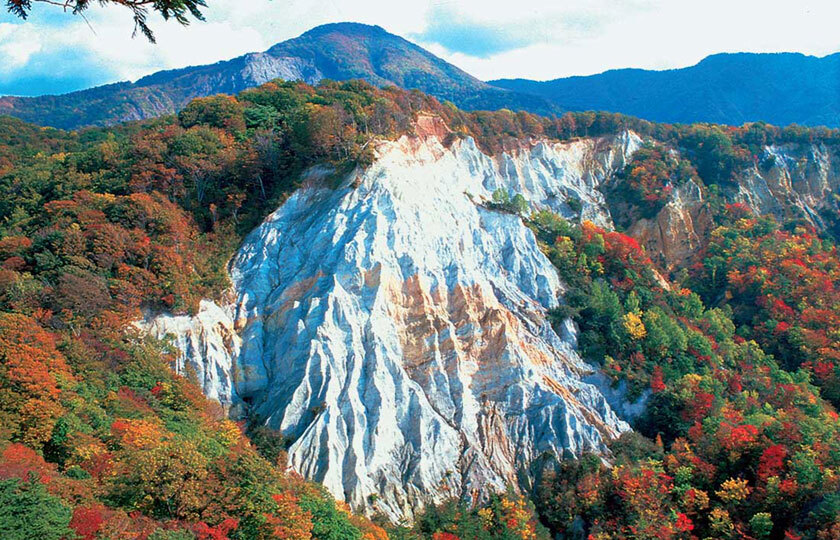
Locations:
{"points": [[737, 355]]}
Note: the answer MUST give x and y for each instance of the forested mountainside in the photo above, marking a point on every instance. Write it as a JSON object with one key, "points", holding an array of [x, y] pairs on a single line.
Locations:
{"points": [[782, 89], [339, 51], [535, 373]]}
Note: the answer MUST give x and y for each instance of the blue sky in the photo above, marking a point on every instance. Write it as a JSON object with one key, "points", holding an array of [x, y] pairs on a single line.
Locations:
{"points": [[53, 52]]}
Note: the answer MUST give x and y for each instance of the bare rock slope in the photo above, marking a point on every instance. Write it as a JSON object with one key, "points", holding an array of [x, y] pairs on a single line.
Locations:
{"points": [[395, 328]]}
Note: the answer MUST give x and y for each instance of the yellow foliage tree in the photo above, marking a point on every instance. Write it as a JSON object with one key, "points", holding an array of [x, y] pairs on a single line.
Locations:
{"points": [[634, 326], [733, 490]]}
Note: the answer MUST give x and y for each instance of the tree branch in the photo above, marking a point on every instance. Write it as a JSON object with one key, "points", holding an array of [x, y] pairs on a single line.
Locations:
{"points": [[180, 10]]}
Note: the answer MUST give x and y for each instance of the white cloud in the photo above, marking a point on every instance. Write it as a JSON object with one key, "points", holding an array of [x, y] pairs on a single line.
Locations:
{"points": [[542, 38], [18, 42], [666, 34], [107, 34]]}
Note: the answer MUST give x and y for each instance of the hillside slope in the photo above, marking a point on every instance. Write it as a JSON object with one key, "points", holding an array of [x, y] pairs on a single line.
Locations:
{"points": [[780, 89]]}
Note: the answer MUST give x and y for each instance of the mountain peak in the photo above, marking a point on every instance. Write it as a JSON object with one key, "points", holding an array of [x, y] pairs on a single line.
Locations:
{"points": [[368, 30], [760, 59], [359, 51]]}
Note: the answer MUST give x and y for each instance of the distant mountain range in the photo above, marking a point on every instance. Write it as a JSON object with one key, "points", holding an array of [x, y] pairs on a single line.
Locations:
{"points": [[726, 88], [336, 51], [782, 89]]}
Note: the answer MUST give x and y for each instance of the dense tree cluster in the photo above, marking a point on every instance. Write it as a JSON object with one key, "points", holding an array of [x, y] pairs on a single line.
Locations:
{"points": [[782, 285], [646, 183], [98, 436], [506, 516], [738, 446]]}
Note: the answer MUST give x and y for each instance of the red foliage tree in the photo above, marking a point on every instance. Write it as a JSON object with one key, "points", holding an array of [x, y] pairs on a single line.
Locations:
{"points": [[87, 521], [203, 531], [657, 384]]}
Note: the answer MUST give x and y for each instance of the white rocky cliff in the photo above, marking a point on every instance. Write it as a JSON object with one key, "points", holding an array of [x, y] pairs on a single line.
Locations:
{"points": [[791, 177], [208, 347], [395, 329]]}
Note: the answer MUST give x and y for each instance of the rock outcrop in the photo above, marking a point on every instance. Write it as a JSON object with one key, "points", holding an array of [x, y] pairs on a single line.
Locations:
{"points": [[674, 235], [791, 178], [207, 346], [788, 181], [395, 329], [549, 175]]}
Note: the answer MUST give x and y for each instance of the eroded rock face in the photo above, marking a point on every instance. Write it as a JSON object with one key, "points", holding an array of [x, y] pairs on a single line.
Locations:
{"points": [[791, 177], [674, 235], [395, 329], [208, 347]]}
